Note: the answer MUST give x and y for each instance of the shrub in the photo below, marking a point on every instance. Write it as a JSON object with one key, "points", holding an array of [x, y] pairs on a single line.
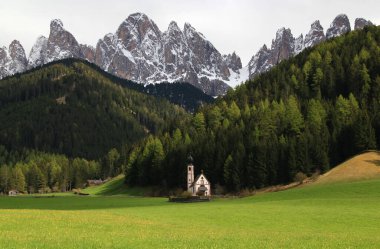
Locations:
{"points": [[315, 175], [300, 177], [186, 194], [246, 192]]}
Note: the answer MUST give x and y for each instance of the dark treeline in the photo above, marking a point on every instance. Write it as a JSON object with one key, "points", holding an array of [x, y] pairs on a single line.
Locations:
{"points": [[305, 115]]}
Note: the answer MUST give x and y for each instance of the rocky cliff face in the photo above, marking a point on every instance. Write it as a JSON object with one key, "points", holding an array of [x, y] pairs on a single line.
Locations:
{"points": [[61, 43], [285, 45], [361, 23], [18, 59], [37, 53], [315, 35], [339, 26], [260, 62], [12, 59], [141, 52], [88, 52]]}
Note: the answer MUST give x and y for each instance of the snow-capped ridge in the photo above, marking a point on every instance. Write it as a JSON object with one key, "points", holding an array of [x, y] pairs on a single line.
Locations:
{"points": [[138, 50], [315, 35], [285, 45], [12, 59], [173, 27], [339, 26], [56, 24], [37, 53]]}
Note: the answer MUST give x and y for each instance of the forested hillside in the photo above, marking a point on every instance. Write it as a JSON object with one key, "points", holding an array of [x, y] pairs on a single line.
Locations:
{"points": [[74, 110], [67, 122], [305, 115]]}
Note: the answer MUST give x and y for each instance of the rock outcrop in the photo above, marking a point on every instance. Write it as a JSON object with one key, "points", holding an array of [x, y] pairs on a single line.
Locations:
{"points": [[339, 26], [315, 35], [12, 59], [285, 45], [361, 23]]}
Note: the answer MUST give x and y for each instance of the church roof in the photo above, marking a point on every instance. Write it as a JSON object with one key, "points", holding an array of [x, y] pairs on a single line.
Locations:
{"points": [[197, 178]]}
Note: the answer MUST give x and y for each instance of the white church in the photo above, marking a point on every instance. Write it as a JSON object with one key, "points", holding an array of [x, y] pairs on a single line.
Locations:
{"points": [[200, 186]]}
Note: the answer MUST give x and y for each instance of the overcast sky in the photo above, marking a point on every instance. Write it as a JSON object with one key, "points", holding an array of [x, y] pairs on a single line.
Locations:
{"points": [[231, 25]]}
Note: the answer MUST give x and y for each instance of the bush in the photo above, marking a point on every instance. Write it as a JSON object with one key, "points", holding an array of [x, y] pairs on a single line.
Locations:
{"points": [[186, 194], [300, 177], [246, 192], [315, 175]]}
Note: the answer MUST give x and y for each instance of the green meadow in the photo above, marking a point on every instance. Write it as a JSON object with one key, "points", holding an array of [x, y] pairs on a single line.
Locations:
{"points": [[339, 215]]}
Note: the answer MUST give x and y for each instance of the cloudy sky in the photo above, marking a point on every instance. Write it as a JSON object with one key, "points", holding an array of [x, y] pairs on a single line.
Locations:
{"points": [[231, 25]]}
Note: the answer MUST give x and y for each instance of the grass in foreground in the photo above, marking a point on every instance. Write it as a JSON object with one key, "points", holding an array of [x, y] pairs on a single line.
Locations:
{"points": [[340, 215]]}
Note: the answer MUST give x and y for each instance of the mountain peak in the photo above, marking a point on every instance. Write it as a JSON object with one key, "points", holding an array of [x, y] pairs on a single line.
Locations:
{"points": [[315, 35], [56, 24], [15, 43], [190, 32], [37, 53], [173, 26], [135, 19], [361, 23], [187, 27], [137, 16], [61, 43], [339, 26], [282, 34], [316, 25]]}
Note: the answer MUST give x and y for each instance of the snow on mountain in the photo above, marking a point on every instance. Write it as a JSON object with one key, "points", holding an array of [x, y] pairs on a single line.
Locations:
{"points": [[339, 26], [12, 59], [299, 44], [282, 48], [315, 35], [18, 59], [139, 51], [37, 53], [4, 62], [285, 45], [61, 43]]}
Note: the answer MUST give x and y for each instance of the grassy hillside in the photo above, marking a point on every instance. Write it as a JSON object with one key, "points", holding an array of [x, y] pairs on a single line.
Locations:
{"points": [[339, 215], [116, 186], [361, 167]]}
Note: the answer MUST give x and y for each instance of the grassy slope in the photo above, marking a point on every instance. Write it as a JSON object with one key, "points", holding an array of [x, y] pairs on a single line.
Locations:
{"points": [[115, 186], [361, 167], [338, 215]]}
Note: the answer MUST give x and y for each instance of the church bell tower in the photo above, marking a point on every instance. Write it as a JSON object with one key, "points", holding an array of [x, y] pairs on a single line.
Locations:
{"points": [[190, 174]]}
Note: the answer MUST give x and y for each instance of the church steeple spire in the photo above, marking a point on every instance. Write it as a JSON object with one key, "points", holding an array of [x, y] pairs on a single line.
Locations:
{"points": [[190, 174]]}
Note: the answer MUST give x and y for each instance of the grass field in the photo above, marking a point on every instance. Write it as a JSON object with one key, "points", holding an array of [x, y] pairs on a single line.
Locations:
{"points": [[342, 215]]}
